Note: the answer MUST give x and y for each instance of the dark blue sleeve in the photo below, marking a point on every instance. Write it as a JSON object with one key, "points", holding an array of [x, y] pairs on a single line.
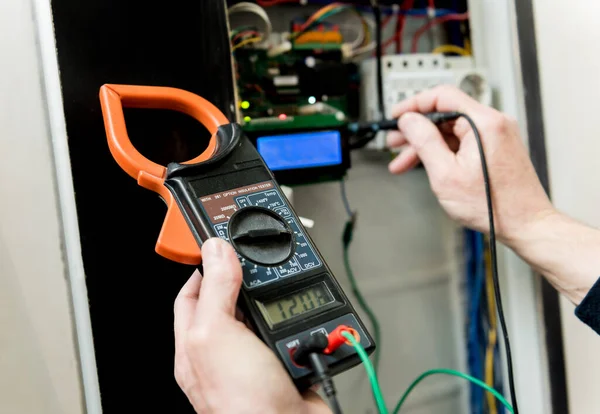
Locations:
{"points": [[588, 310]]}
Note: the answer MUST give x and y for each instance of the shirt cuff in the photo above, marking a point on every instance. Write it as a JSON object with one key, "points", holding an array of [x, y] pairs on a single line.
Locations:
{"points": [[588, 310]]}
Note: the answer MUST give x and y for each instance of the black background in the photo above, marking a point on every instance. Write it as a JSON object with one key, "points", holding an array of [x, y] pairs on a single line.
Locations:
{"points": [[131, 289]]}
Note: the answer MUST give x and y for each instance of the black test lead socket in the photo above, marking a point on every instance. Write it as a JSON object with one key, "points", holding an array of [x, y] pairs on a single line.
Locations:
{"points": [[310, 353]]}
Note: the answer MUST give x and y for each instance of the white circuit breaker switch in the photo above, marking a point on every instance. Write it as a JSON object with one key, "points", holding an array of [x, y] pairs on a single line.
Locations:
{"points": [[407, 75]]}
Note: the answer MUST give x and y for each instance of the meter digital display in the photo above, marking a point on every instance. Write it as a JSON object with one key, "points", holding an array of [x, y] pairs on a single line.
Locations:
{"points": [[297, 303]]}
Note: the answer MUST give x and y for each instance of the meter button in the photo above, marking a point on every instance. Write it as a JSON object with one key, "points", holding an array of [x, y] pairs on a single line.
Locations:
{"points": [[261, 236], [242, 202]]}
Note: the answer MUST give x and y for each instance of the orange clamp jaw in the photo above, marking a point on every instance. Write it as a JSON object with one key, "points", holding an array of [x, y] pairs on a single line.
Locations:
{"points": [[175, 241]]}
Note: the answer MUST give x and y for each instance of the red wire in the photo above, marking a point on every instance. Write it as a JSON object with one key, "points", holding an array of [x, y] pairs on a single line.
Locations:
{"points": [[384, 24], [244, 33], [407, 5], [386, 21], [269, 3], [434, 22], [388, 43]]}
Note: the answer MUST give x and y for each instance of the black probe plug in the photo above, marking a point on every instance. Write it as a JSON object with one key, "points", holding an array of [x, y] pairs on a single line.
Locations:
{"points": [[310, 353], [392, 124]]}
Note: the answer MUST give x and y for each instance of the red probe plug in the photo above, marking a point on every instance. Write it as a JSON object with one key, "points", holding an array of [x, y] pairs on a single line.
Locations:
{"points": [[336, 339]]}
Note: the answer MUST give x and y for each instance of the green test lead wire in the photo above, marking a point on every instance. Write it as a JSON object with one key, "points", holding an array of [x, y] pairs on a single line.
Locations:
{"points": [[377, 394], [455, 374], [364, 306], [362, 302]]}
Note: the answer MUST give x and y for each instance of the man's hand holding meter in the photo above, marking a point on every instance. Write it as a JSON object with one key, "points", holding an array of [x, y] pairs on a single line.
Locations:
{"points": [[220, 364]]}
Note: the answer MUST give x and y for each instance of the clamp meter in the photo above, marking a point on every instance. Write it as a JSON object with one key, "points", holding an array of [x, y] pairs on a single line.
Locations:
{"points": [[288, 291]]}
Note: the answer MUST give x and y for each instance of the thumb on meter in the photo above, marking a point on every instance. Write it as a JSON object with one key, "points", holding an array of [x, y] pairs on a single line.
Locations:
{"points": [[427, 141], [221, 283]]}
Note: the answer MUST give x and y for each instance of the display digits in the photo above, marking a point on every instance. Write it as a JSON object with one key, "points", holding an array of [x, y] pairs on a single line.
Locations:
{"points": [[297, 303], [307, 301], [293, 306], [283, 314], [320, 295]]}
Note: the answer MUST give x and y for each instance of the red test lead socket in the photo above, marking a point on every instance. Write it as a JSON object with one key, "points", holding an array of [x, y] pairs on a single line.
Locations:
{"points": [[336, 339]]}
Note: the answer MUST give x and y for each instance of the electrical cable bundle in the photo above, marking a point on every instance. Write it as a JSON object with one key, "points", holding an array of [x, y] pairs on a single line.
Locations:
{"points": [[482, 330], [250, 34], [426, 27], [361, 44], [244, 36], [475, 288], [335, 8]]}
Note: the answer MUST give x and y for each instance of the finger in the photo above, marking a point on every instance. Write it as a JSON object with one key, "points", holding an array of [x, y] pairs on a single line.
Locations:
{"points": [[239, 315], [222, 280], [461, 128], [428, 143], [407, 160], [453, 142], [395, 139], [185, 304], [447, 128], [315, 403], [439, 99], [454, 132]]}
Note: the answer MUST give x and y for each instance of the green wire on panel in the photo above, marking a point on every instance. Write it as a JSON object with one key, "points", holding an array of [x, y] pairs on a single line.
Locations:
{"points": [[377, 394], [455, 374], [362, 302], [365, 307]]}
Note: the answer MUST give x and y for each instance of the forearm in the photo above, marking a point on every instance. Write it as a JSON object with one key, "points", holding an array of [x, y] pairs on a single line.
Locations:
{"points": [[563, 250]]}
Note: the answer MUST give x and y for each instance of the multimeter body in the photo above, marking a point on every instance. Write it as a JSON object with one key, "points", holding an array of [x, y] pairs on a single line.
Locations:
{"points": [[288, 291], [288, 301]]}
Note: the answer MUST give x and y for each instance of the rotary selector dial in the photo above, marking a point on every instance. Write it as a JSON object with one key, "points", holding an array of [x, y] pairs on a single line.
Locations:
{"points": [[261, 236]]}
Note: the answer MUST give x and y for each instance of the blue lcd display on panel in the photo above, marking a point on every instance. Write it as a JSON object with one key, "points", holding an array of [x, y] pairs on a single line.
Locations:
{"points": [[303, 150]]}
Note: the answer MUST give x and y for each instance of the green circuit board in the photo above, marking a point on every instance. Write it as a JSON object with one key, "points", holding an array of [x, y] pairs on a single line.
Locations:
{"points": [[301, 89]]}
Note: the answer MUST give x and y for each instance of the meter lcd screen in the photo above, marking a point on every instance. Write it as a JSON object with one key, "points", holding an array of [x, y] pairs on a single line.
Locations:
{"points": [[302, 150], [296, 303]]}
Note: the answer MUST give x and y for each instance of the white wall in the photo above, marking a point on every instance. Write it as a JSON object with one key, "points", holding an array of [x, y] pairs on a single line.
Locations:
{"points": [[39, 369], [567, 35]]}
